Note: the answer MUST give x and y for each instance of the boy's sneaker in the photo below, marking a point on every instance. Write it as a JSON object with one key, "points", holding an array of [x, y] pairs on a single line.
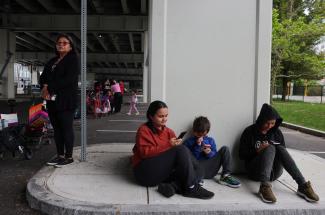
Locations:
{"points": [[137, 113], [128, 114], [198, 192], [266, 193], [230, 181], [55, 161], [66, 161], [307, 192], [166, 189]]}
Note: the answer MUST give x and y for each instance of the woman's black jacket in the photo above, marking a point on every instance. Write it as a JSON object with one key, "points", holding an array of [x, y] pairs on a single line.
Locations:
{"points": [[62, 81]]}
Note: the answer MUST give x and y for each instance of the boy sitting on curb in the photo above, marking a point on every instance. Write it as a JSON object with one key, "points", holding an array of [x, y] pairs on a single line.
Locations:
{"points": [[205, 151]]}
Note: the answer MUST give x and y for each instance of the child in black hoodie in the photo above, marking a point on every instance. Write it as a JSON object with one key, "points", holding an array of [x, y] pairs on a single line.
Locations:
{"points": [[262, 147]]}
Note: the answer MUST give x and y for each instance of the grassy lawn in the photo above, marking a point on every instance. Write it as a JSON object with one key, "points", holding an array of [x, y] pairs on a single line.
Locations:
{"points": [[305, 114]]}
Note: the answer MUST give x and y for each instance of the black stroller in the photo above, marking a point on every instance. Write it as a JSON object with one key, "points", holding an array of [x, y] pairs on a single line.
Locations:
{"points": [[12, 139]]}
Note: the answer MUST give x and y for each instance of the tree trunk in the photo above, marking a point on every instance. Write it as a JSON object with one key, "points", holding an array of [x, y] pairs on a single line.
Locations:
{"points": [[284, 88], [290, 9]]}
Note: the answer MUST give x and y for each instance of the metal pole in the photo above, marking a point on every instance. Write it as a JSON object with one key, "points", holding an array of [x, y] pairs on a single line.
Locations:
{"points": [[321, 94], [83, 79]]}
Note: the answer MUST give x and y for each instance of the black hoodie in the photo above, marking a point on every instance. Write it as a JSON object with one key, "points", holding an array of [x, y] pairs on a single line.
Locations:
{"points": [[252, 137]]}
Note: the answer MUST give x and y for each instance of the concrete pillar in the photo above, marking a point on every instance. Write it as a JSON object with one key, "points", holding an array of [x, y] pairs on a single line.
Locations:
{"points": [[8, 44], [211, 59], [39, 72], [145, 67], [91, 76], [34, 76], [157, 52], [262, 54], [291, 88]]}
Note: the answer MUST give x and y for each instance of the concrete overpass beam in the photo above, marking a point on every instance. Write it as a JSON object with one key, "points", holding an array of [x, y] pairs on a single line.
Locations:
{"points": [[44, 56], [69, 23]]}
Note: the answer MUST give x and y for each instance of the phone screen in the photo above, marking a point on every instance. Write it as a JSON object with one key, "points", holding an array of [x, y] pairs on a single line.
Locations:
{"points": [[181, 135]]}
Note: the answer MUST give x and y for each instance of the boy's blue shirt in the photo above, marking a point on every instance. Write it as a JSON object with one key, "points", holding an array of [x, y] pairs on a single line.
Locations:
{"points": [[197, 149]]}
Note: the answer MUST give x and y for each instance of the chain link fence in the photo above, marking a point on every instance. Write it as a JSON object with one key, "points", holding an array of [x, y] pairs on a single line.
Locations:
{"points": [[313, 94]]}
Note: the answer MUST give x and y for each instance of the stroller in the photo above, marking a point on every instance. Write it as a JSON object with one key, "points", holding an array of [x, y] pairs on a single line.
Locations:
{"points": [[12, 139], [39, 129]]}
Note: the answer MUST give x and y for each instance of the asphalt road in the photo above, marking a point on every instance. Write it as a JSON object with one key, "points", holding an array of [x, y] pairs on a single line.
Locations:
{"points": [[304, 142]]}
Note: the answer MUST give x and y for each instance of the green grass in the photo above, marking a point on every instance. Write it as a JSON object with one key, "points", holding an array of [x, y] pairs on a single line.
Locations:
{"points": [[309, 115]]}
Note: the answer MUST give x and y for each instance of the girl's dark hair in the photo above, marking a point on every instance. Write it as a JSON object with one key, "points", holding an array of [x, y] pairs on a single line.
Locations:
{"points": [[152, 110], [201, 124], [72, 45]]}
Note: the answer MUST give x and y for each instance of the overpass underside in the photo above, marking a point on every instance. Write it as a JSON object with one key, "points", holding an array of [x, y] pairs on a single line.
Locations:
{"points": [[116, 37]]}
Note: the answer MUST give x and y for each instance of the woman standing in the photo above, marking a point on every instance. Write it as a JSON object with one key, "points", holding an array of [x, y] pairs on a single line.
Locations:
{"points": [[59, 84], [160, 159], [116, 90]]}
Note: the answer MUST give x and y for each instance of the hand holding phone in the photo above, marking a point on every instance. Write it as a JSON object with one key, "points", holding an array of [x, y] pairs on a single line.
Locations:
{"points": [[261, 146], [274, 143], [181, 135], [206, 146], [199, 141]]}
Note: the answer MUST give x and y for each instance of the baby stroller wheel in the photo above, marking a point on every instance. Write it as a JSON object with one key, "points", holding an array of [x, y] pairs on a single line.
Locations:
{"points": [[28, 153]]}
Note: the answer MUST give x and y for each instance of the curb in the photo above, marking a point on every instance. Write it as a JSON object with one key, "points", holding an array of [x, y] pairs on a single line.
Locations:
{"points": [[303, 129], [41, 197]]}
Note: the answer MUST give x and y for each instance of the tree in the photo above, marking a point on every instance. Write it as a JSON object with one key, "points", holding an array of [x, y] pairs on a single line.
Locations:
{"points": [[297, 27]]}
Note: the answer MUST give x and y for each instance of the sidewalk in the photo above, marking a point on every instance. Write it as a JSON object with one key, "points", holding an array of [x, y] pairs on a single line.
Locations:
{"points": [[104, 185]]}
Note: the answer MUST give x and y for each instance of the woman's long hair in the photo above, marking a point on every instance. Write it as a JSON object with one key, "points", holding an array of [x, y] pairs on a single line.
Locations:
{"points": [[72, 44], [152, 110]]}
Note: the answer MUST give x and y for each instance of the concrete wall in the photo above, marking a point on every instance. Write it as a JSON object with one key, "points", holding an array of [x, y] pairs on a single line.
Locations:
{"points": [[211, 58]]}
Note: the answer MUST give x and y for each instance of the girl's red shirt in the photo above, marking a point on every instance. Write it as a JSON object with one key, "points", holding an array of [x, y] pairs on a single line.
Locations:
{"points": [[149, 144]]}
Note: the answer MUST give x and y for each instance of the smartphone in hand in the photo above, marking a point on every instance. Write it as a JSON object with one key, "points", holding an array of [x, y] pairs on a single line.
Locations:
{"points": [[206, 146], [274, 143], [181, 135]]}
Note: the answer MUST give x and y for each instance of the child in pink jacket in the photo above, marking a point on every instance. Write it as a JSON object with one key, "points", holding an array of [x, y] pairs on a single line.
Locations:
{"points": [[133, 103]]}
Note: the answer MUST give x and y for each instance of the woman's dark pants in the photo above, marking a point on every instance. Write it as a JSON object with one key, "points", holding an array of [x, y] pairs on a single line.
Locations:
{"points": [[176, 163], [62, 122]]}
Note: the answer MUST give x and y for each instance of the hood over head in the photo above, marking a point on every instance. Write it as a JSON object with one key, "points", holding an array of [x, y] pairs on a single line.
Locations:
{"points": [[268, 113]]}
